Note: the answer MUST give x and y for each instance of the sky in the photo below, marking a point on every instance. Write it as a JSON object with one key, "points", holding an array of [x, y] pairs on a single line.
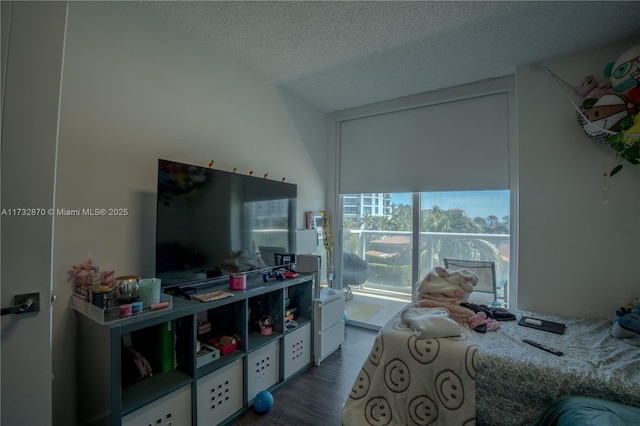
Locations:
{"points": [[474, 203]]}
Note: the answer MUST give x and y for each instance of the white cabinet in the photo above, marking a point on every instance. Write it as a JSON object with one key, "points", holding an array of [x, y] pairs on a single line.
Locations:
{"points": [[328, 323]]}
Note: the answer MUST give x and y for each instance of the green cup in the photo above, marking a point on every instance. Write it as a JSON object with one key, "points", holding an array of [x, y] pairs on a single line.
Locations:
{"points": [[150, 291]]}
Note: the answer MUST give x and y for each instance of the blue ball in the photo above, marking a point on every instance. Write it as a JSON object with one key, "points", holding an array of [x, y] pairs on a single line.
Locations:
{"points": [[263, 402]]}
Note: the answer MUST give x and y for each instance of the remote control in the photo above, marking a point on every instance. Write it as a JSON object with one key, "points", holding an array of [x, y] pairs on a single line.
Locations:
{"points": [[543, 347]]}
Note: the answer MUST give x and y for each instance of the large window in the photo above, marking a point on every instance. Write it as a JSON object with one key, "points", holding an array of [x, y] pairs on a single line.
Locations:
{"points": [[445, 183], [384, 242], [468, 225]]}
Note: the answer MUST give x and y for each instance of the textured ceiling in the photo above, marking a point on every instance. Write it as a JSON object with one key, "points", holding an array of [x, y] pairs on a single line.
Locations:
{"points": [[342, 54]]}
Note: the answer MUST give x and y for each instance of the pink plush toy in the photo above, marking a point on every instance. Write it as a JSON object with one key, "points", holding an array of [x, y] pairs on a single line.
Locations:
{"points": [[586, 85], [588, 88], [602, 89]]}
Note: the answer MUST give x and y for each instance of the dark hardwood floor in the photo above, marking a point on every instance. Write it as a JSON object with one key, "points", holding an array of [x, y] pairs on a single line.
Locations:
{"points": [[316, 396]]}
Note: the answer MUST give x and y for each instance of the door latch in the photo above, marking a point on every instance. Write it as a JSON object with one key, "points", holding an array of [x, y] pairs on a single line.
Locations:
{"points": [[24, 303]]}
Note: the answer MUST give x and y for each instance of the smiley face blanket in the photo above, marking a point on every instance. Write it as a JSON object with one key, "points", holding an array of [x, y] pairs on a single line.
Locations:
{"points": [[408, 380]]}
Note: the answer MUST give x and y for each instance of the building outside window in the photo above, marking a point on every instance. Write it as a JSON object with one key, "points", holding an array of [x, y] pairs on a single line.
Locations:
{"points": [[468, 225]]}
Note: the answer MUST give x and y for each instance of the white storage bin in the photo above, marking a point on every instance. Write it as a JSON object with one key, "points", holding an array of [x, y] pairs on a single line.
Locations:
{"points": [[263, 368], [220, 394], [297, 350], [171, 410]]}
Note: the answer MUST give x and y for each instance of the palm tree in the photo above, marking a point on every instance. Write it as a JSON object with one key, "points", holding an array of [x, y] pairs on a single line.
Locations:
{"points": [[433, 249], [456, 221], [351, 239]]}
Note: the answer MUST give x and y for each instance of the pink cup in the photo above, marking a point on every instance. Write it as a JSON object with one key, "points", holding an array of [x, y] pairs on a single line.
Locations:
{"points": [[238, 282]]}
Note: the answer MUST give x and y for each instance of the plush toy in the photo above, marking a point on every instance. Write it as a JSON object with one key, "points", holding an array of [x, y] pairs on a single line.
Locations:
{"points": [[590, 91], [624, 74], [635, 128], [586, 85], [603, 88], [611, 112], [448, 285]]}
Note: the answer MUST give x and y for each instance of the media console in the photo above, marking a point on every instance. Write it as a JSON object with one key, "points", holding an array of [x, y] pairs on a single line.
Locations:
{"points": [[184, 389]]}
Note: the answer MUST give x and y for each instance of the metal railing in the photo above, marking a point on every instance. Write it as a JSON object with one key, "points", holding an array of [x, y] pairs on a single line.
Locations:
{"points": [[391, 264]]}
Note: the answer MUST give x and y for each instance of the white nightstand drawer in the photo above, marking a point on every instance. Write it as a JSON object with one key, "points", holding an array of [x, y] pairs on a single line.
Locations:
{"points": [[331, 339], [331, 313]]}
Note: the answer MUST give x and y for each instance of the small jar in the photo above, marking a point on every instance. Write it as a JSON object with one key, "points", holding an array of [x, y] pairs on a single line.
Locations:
{"points": [[136, 308], [125, 310], [102, 297]]}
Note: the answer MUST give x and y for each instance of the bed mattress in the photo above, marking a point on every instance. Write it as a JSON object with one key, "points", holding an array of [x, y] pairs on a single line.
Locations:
{"points": [[516, 382]]}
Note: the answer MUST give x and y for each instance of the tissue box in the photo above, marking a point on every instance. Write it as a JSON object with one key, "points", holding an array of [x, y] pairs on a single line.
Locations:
{"points": [[204, 327], [206, 354]]}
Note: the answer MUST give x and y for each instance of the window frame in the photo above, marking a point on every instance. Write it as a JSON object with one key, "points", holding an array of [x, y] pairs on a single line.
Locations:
{"points": [[498, 85]]}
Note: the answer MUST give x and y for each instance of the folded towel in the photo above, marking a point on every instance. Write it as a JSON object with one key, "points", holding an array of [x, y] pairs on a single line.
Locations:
{"points": [[430, 323]]}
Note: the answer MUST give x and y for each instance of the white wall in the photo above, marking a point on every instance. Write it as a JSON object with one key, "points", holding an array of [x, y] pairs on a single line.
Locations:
{"points": [[135, 91], [577, 256]]}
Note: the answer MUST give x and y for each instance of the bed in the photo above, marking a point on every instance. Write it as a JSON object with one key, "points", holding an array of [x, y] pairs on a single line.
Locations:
{"points": [[500, 380], [517, 382], [411, 381]]}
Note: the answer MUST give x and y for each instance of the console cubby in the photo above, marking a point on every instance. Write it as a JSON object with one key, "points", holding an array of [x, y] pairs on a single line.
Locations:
{"points": [[219, 391], [300, 298], [225, 320], [264, 305]]}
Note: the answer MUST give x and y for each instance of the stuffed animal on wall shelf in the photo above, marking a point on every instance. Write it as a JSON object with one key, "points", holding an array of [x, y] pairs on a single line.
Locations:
{"points": [[611, 112], [624, 74], [590, 91]]}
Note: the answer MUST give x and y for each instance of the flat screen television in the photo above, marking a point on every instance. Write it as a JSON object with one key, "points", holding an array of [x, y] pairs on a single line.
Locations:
{"points": [[206, 217]]}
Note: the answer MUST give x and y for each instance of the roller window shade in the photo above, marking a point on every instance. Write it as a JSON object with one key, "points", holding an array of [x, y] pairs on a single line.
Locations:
{"points": [[458, 145]]}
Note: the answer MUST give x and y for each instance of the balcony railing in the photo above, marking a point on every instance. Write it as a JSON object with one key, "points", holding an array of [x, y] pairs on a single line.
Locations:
{"points": [[390, 253]]}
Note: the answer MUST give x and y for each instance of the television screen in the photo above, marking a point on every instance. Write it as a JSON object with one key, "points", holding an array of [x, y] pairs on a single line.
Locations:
{"points": [[212, 223]]}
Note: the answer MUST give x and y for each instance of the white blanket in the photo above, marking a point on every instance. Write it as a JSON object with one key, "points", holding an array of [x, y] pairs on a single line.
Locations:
{"points": [[407, 380], [429, 323]]}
